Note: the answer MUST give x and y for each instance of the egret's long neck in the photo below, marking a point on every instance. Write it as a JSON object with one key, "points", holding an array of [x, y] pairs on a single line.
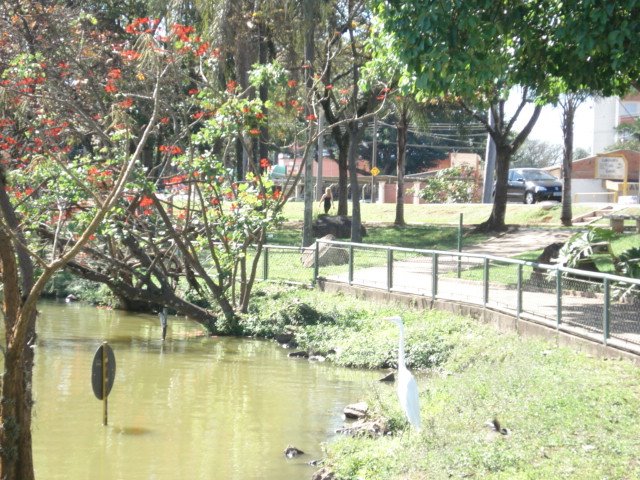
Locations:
{"points": [[401, 347]]}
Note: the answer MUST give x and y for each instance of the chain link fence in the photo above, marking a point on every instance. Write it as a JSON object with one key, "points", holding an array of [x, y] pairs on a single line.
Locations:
{"points": [[592, 304]]}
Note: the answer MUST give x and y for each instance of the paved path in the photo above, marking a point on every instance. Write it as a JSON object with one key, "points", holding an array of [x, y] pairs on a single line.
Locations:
{"points": [[515, 242], [581, 302]]}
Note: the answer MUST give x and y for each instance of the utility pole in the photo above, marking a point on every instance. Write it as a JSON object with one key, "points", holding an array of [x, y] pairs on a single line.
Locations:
{"points": [[374, 156], [489, 165]]}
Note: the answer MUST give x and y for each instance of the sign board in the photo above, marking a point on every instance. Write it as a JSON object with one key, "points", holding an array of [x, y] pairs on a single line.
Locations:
{"points": [[375, 171], [97, 371], [611, 168]]}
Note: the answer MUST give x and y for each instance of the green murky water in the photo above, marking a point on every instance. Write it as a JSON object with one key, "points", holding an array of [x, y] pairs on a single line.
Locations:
{"points": [[192, 407]]}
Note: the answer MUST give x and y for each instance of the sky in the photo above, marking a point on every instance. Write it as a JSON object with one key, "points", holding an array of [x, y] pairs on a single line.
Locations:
{"points": [[548, 128]]}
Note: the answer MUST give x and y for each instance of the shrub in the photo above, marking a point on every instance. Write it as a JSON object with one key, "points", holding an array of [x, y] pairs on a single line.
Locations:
{"points": [[450, 185]]}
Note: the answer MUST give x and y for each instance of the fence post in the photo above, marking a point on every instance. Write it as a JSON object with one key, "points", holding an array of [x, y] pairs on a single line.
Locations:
{"points": [[434, 275], [606, 311], [559, 298], [389, 269], [485, 282], [460, 247], [316, 262], [519, 298], [265, 263], [350, 264]]}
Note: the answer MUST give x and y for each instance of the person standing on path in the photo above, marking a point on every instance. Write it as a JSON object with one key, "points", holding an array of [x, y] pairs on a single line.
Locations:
{"points": [[327, 199]]}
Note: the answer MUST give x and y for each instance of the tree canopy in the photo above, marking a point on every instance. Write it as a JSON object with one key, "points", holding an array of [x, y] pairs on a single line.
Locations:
{"points": [[478, 50]]}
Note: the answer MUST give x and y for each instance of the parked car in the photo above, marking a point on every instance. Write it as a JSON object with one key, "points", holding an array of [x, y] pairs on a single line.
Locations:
{"points": [[531, 185]]}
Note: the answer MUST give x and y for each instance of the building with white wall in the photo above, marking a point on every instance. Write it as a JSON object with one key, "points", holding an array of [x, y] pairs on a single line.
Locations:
{"points": [[608, 113]]}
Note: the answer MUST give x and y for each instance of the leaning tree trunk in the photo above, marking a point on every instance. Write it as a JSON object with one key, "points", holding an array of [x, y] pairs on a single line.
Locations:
{"points": [[356, 223], [505, 148], [343, 174], [495, 222], [16, 456]]}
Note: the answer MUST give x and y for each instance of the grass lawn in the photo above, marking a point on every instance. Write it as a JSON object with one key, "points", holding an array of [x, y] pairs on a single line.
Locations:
{"points": [[428, 235], [473, 214], [568, 415], [429, 226], [412, 236]]}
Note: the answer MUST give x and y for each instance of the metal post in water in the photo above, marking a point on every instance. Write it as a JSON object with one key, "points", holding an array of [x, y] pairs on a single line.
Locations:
{"points": [[103, 372], [105, 415], [163, 322]]}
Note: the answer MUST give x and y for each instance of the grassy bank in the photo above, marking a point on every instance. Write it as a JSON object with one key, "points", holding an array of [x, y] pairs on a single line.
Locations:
{"points": [[568, 415]]}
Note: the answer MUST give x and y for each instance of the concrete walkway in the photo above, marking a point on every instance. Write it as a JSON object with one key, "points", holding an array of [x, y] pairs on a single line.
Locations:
{"points": [[515, 242], [581, 302]]}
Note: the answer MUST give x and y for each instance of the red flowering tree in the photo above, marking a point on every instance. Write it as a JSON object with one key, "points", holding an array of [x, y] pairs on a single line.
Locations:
{"points": [[80, 111], [185, 215], [217, 222]]}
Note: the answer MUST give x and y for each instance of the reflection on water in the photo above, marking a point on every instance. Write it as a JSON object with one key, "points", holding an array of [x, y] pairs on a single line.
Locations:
{"points": [[192, 407]]}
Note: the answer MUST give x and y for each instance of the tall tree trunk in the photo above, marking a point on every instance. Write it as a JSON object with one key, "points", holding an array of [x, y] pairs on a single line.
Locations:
{"points": [[496, 219], [263, 91], [505, 148], [402, 130], [356, 133], [16, 455], [309, 56], [16, 461], [569, 105], [343, 173]]}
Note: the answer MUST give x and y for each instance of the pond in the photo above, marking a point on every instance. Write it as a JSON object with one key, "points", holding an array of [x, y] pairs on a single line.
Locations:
{"points": [[191, 407]]}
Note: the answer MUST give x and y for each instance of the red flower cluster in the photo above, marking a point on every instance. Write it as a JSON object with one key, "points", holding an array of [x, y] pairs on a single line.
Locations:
{"points": [[30, 81], [146, 202], [182, 31], [170, 149], [231, 86], [130, 55], [110, 87], [202, 49], [126, 103], [142, 25], [265, 163], [176, 180]]}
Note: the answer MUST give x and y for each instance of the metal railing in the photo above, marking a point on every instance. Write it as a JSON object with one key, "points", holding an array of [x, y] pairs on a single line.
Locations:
{"points": [[599, 306]]}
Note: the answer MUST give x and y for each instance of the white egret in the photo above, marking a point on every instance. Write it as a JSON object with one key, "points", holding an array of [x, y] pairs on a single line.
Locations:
{"points": [[406, 383]]}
